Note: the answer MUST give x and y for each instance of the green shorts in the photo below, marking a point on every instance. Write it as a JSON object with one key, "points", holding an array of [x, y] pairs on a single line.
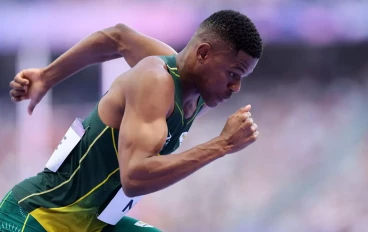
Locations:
{"points": [[13, 218]]}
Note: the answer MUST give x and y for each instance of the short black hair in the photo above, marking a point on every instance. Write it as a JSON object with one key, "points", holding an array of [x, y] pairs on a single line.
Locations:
{"points": [[236, 29]]}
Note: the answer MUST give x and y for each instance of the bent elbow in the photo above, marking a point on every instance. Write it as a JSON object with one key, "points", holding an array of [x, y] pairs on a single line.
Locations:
{"points": [[120, 31], [121, 27], [129, 192], [130, 189]]}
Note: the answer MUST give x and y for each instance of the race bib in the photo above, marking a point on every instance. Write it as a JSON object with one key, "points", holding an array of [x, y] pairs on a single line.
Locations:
{"points": [[67, 144], [117, 208]]}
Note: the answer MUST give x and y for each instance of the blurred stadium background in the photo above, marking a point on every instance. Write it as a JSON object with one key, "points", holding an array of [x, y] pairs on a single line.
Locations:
{"points": [[307, 172]]}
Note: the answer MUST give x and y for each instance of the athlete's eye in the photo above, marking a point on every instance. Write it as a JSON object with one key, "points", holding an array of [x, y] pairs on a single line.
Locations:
{"points": [[234, 75]]}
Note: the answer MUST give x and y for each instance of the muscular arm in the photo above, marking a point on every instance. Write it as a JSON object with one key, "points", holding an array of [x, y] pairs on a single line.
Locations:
{"points": [[110, 43], [143, 133]]}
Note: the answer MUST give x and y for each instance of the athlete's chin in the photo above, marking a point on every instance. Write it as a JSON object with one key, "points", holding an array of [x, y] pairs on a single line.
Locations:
{"points": [[212, 103], [213, 100]]}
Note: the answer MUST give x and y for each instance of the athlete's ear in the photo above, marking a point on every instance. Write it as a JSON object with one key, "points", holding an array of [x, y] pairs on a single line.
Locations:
{"points": [[203, 50]]}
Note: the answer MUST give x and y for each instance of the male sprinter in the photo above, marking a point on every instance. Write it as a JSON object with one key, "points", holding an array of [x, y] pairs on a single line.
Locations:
{"points": [[123, 153]]}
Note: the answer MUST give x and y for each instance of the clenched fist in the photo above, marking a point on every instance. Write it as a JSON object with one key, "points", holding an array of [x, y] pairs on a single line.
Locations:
{"points": [[239, 130], [29, 84]]}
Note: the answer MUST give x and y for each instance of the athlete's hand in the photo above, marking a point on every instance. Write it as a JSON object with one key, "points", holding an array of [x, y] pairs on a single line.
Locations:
{"points": [[239, 130], [28, 84]]}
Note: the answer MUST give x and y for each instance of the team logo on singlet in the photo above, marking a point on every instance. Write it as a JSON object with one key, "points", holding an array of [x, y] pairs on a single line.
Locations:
{"points": [[182, 137], [168, 138], [142, 224]]}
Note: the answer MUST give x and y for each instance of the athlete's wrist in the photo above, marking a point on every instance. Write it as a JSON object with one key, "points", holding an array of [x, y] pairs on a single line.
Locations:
{"points": [[49, 76], [222, 144]]}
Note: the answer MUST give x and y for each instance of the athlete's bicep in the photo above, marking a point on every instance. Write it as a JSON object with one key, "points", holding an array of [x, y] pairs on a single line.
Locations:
{"points": [[143, 129], [140, 137], [135, 46]]}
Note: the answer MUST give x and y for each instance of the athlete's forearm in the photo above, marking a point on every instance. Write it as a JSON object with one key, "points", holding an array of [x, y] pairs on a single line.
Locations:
{"points": [[98, 47], [158, 172]]}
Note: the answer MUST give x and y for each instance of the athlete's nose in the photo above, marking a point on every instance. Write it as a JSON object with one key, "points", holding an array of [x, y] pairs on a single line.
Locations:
{"points": [[235, 87]]}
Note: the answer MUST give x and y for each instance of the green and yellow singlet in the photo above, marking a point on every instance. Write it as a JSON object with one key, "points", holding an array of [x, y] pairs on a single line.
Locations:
{"points": [[72, 198]]}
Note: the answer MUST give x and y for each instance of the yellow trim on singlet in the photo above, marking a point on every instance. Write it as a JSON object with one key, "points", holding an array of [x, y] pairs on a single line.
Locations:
{"points": [[71, 177], [172, 71], [71, 217], [89, 193], [25, 222], [5, 199], [181, 112], [113, 140], [175, 74], [172, 68]]}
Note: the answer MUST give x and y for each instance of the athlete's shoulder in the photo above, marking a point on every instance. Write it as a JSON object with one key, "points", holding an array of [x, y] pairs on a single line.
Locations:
{"points": [[150, 86], [152, 63], [153, 72], [148, 79]]}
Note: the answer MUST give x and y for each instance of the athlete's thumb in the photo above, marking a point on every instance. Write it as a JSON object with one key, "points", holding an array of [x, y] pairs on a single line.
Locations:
{"points": [[32, 105], [245, 108]]}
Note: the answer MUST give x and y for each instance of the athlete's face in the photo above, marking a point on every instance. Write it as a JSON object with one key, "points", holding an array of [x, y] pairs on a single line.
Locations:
{"points": [[221, 72]]}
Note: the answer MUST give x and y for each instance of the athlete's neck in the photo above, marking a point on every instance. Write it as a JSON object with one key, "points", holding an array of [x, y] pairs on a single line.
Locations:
{"points": [[190, 93]]}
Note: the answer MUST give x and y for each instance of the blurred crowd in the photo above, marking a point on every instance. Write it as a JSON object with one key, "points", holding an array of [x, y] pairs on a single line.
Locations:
{"points": [[318, 22]]}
